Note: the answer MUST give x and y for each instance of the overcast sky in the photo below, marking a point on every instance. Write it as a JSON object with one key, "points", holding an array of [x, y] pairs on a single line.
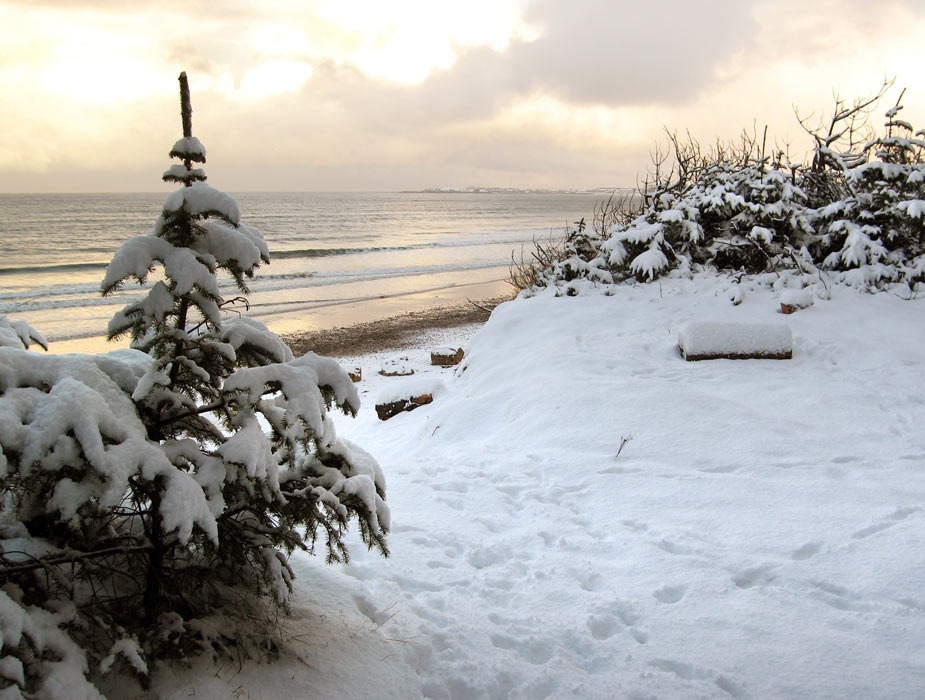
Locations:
{"points": [[406, 94]]}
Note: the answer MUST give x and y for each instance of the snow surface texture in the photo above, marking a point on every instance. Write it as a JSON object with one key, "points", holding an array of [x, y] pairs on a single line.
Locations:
{"points": [[761, 535]]}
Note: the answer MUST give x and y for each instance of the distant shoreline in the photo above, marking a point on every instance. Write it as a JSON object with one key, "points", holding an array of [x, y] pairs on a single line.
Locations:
{"points": [[515, 190], [236, 192]]}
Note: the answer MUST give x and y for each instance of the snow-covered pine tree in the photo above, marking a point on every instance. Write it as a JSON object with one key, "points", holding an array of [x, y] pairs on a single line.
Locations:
{"points": [[876, 235], [146, 489]]}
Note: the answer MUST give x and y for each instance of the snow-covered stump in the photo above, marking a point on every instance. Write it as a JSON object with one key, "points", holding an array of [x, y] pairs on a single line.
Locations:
{"points": [[446, 356], [708, 340], [400, 367], [792, 300]]}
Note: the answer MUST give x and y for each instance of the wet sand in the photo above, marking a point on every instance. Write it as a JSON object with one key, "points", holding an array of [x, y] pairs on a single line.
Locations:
{"points": [[394, 332]]}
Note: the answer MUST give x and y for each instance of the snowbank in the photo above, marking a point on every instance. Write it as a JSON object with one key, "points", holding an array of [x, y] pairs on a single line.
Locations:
{"points": [[761, 534], [331, 647]]}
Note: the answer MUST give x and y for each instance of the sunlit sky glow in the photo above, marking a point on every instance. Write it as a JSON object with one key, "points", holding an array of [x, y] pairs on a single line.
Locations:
{"points": [[407, 94]]}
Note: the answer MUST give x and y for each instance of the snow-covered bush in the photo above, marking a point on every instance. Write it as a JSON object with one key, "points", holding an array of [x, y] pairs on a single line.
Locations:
{"points": [[857, 212], [148, 489], [730, 217], [877, 232]]}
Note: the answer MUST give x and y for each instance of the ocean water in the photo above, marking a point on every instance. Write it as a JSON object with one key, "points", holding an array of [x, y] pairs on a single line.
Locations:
{"points": [[336, 258]]}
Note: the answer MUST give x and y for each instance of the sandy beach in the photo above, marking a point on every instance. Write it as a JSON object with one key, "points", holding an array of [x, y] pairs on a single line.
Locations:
{"points": [[394, 332]]}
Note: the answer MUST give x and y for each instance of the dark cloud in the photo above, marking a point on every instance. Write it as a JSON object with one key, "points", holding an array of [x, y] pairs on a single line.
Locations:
{"points": [[472, 89], [346, 130], [591, 52], [619, 52], [357, 129]]}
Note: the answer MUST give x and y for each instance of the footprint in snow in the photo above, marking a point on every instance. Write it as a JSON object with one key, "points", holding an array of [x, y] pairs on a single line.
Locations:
{"points": [[512, 491], [675, 548], [455, 486], [838, 597], [619, 470], [608, 623], [635, 525], [603, 627], [456, 504], [690, 672], [670, 594], [532, 650], [722, 469], [894, 518], [483, 557], [808, 550], [368, 608], [434, 564], [488, 524], [749, 578], [589, 581]]}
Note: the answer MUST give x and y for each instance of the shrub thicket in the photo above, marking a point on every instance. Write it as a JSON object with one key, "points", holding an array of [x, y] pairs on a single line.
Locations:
{"points": [[854, 211]]}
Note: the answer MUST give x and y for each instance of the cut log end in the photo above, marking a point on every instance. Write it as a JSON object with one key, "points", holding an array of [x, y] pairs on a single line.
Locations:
{"points": [[446, 357], [735, 341], [736, 356]]}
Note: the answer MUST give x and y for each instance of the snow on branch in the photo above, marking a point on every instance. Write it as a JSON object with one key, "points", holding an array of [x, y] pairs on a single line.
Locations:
{"points": [[64, 413], [180, 173], [137, 257], [199, 199], [300, 382], [55, 663], [189, 148], [242, 247], [250, 336], [19, 334], [650, 262]]}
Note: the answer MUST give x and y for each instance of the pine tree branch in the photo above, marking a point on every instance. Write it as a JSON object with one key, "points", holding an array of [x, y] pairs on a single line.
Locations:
{"points": [[70, 558], [198, 411]]}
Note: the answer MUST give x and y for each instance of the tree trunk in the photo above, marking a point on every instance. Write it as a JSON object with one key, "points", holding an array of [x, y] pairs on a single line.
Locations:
{"points": [[153, 575]]}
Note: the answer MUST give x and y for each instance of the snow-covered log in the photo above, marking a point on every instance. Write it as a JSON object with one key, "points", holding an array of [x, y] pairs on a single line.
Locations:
{"points": [[711, 340]]}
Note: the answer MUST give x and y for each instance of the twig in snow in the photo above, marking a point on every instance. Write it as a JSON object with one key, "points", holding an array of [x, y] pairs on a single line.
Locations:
{"points": [[479, 306], [623, 440]]}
